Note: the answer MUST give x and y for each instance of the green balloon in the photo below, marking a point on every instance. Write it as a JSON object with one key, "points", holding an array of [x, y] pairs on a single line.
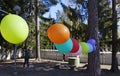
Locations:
{"points": [[14, 29], [85, 47]]}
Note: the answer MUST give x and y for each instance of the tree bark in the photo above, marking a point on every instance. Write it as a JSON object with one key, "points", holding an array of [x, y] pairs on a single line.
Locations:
{"points": [[114, 66], [94, 57], [37, 31]]}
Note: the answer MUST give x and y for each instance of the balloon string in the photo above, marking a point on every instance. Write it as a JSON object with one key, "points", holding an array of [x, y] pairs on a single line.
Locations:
{"points": [[3, 11]]}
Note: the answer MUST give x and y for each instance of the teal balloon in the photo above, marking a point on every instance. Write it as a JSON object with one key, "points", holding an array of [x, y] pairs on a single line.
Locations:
{"points": [[66, 47], [85, 47]]}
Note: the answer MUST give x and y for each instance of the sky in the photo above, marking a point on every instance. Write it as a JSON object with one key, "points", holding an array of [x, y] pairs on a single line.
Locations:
{"points": [[118, 11], [54, 9]]}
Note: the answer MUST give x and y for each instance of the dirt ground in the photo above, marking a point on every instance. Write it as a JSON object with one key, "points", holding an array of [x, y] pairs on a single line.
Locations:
{"points": [[49, 68]]}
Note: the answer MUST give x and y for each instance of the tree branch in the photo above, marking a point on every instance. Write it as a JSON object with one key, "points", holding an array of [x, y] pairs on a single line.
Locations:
{"points": [[3, 11]]}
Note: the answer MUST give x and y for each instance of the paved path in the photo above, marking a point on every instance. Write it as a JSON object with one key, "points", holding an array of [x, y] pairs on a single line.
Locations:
{"points": [[48, 68]]}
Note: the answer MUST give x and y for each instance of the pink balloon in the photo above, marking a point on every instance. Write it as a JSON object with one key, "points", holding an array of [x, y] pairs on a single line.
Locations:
{"points": [[75, 46], [78, 52]]}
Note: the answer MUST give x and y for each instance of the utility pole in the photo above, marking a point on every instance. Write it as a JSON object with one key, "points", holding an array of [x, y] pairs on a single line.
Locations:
{"points": [[38, 57]]}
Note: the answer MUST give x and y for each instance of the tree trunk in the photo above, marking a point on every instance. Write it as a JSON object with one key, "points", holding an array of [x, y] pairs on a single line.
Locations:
{"points": [[93, 58], [37, 31], [114, 66]]}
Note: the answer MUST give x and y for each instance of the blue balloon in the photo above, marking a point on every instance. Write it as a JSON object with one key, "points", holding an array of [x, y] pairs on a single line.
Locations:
{"points": [[91, 47], [92, 41], [66, 47]]}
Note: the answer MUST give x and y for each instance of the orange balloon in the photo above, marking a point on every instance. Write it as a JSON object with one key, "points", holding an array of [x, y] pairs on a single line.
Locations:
{"points": [[58, 33]]}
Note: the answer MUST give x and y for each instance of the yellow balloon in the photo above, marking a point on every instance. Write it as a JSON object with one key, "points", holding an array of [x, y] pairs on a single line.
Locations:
{"points": [[14, 29]]}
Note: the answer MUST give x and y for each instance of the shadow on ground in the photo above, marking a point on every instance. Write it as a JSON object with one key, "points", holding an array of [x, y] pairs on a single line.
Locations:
{"points": [[107, 72], [47, 68]]}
